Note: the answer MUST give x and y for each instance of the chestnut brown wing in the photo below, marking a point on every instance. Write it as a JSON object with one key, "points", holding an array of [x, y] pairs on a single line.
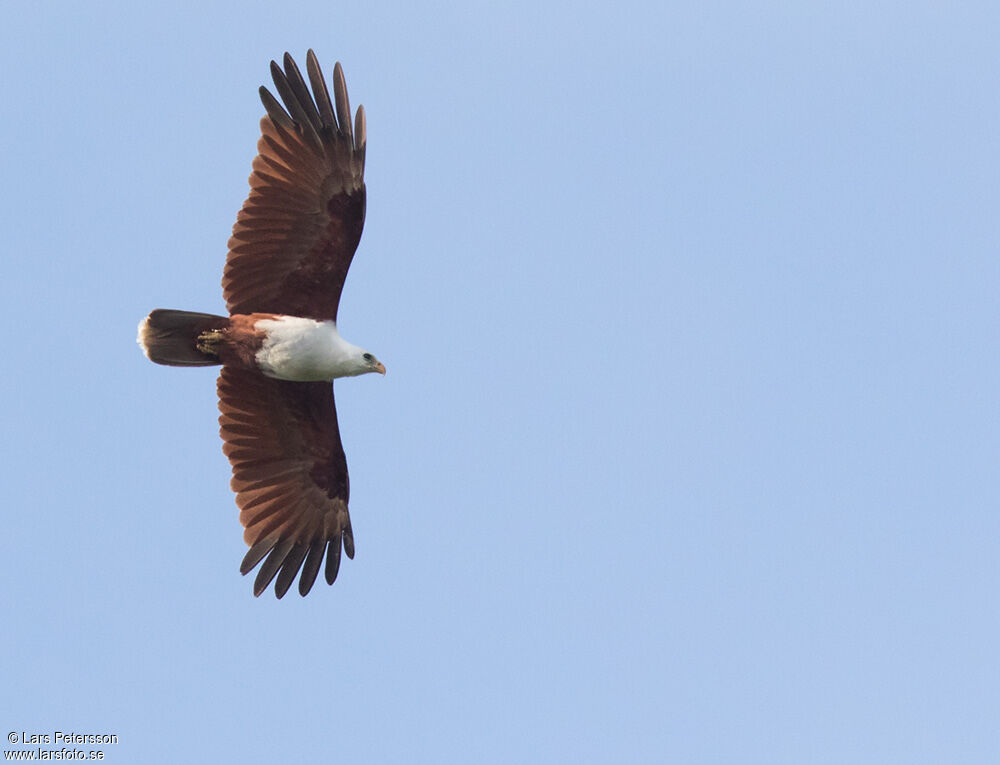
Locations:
{"points": [[296, 234], [289, 475]]}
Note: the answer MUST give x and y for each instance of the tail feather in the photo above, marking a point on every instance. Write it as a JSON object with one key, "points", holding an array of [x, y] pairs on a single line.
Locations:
{"points": [[172, 337]]}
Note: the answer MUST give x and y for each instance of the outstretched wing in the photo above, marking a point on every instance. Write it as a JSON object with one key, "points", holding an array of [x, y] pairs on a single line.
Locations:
{"points": [[289, 475], [297, 232]]}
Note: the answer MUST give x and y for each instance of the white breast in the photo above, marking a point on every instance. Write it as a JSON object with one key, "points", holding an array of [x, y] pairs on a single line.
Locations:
{"points": [[303, 350]]}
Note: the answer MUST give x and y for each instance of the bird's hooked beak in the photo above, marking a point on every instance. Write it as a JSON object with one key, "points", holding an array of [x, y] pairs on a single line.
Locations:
{"points": [[380, 368]]}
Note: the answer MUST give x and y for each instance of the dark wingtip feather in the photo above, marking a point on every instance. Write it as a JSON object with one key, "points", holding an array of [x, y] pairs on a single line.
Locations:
{"points": [[275, 110], [332, 559], [278, 78], [360, 131], [340, 96], [289, 569], [320, 91], [254, 555], [271, 566], [311, 567], [349, 541], [297, 110], [298, 86]]}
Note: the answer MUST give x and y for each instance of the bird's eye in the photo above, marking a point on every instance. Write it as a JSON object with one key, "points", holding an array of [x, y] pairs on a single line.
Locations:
{"points": [[368, 357]]}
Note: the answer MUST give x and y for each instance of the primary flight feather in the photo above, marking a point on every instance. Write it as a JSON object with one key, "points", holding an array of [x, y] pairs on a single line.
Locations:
{"points": [[279, 348]]}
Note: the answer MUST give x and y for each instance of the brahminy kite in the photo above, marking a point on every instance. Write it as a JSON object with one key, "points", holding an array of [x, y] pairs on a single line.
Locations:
{"points": [[279, 348]]}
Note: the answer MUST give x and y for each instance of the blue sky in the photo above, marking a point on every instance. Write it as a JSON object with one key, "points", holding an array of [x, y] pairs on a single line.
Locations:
{"points": [[688, 447]]}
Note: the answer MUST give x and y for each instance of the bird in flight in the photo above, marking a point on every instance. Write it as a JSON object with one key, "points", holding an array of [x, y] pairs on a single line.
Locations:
{"points": [[279, 348]]}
